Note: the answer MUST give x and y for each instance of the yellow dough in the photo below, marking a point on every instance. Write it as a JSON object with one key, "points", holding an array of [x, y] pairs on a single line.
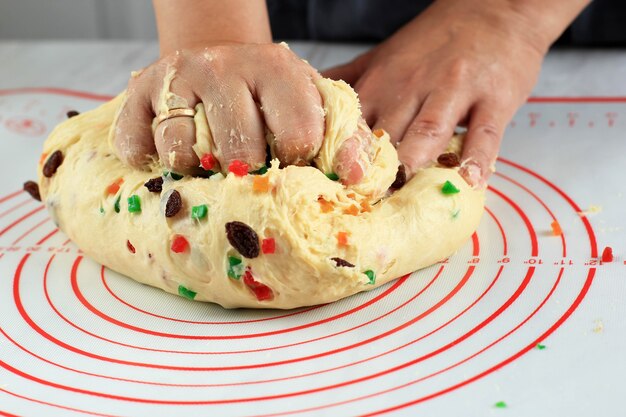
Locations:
{"points": [[389, 234]]}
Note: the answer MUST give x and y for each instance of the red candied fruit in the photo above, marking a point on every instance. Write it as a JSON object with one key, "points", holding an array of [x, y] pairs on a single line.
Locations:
{"points": [[607, 254], [179, 244], [268, 246], [261, 291], [130, 246], [238, 168], [207, 161]]}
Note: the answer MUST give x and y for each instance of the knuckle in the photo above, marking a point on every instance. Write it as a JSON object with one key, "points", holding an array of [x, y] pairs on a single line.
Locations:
{"points": [[458, 70], [428, 128], [487, 129]]}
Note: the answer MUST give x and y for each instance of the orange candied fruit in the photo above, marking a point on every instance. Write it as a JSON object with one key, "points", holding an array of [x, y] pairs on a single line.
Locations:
{"points": [[260, 184], [365, 206], [556, 228], [352, 210], [114, 187], [351, 196], [42, 158], [342, 239], [378, 133], [326, 206]]}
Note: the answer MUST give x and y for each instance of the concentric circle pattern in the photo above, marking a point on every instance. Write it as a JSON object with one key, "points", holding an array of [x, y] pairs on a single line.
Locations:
{"points": [[77, 338]]}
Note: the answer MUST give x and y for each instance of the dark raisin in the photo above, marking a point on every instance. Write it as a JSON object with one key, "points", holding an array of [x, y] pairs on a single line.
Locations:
{"points": [[72, 113], [243, 238], [174, 204], [342, 262], [400, 178], [154, 185], [449, 160], [32, 188], [52, 164]]}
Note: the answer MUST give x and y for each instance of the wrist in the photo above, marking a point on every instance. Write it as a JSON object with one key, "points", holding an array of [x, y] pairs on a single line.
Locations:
{"points": [[185, 24], [539, 23]]}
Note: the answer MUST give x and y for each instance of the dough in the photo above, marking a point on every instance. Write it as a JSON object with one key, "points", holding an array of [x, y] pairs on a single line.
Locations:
{"points": [[288, 238]]}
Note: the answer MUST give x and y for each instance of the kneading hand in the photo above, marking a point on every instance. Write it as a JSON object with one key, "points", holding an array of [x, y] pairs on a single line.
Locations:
{"points": [[458, 63], [248, 91]]}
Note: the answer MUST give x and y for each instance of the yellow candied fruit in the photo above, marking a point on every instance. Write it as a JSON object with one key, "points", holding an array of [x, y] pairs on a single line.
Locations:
{"points": [[260, 184], [352, 210]]}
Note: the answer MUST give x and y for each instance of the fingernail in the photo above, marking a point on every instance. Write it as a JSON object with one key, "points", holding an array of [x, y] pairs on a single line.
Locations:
{"points": [[472, 175]]}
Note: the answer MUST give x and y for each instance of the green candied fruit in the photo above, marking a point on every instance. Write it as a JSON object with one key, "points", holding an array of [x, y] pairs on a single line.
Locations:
{"points": [[173, 175], [500, 404], [176, 176], [449, 188], [187, 293], [199, 212], [235, 267], [116, 205], [134, 204], [332, 176], [260, 171], [540, 346], [371, 275], [455, 214], [101, 210]]}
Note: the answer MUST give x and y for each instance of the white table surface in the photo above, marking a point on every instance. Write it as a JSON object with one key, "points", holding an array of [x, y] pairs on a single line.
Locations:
{"points": [[565, 149]]}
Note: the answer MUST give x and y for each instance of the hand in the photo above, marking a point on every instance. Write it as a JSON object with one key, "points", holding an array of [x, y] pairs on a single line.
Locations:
{"points": [[459, 63], [245, 88]]}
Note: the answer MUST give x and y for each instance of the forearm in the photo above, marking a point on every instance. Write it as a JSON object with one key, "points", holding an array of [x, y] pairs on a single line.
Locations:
{"points": [[550, 18], [187, 23], [541, 22]]}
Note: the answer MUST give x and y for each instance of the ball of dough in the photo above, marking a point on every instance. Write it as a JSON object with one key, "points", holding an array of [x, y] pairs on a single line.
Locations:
{"points": [[287, 238]]}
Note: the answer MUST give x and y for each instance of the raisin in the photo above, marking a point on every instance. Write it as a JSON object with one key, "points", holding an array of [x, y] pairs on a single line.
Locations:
{"points": [[174, 204], [32, 188], [72, 113], [400, 178], [449, 160], [342, 262], [154, 185], [52, 163], [243, 238]]}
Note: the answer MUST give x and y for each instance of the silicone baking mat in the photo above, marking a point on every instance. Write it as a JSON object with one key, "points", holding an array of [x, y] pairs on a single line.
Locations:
{"points": [[519, 321]]}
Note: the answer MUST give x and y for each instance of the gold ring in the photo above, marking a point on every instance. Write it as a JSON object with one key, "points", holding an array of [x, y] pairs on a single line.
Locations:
{"points": [[172, 113]]}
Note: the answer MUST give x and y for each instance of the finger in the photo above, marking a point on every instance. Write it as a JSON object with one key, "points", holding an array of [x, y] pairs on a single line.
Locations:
{"points": [[174, 140], [349, 72], [131, 134], [430, 132], [353, 157], [236, 126], [397, 119], [293, 113], [482, 142], [175, 137]]}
